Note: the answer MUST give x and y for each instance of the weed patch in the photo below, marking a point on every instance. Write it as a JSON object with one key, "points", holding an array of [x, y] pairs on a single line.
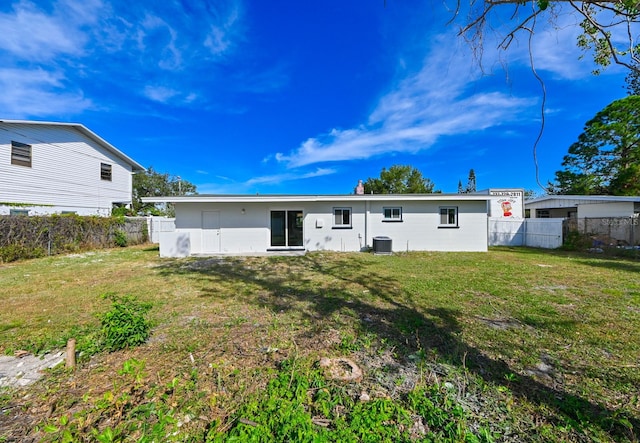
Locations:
{"points": [[299, 404], [125, 324]]}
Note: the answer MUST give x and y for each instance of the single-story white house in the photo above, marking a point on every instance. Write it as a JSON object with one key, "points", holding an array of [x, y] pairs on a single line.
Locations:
{"points": [[583, 206], [55, 168], [227, 224]]}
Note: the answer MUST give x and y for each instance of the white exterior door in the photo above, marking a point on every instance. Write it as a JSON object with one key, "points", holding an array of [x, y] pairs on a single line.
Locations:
{"points": [[210, 231]]}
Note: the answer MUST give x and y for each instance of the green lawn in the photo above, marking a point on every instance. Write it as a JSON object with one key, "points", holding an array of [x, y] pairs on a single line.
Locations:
{"points": [[510, 345]]}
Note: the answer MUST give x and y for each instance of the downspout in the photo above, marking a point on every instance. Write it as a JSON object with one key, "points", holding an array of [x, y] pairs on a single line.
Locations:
{"points": [[366, 223]]}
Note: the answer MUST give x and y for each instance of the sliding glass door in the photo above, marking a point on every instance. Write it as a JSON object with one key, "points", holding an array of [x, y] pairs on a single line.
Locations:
{"points": [[286, 228]]}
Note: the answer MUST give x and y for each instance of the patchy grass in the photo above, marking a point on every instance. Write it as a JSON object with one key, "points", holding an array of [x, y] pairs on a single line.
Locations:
{"points": [[509, 345]]}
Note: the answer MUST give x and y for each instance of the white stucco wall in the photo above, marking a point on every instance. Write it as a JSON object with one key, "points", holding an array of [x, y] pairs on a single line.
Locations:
{"points": [[245, 227]]}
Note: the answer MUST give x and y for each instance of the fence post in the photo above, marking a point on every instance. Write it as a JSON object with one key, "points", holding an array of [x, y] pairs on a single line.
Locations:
{"points": [[71, 353]]}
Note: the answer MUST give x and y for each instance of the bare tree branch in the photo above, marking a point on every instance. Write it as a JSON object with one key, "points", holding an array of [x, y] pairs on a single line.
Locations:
{"points": [[606, 37]]}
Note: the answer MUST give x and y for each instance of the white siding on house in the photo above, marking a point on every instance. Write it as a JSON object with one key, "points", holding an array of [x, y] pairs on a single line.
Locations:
{"points": [[64, 173], [610, 209], [583, 206], [557, 208]]}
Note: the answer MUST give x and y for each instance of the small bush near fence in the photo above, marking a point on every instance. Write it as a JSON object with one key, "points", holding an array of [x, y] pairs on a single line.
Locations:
{"points": [[31, 237], [616, 236]]}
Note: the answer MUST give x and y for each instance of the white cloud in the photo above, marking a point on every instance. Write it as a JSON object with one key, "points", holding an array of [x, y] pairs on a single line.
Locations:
{"points": [[554, 49], [248, 186], [288, 176], [161, 38], [159, 93], [38, 92], [221, 35], [419, 110], [119, 45], [31, 34]]}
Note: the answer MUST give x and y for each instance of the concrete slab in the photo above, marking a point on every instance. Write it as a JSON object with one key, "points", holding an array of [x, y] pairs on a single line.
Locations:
{"points": [[22, 371]]}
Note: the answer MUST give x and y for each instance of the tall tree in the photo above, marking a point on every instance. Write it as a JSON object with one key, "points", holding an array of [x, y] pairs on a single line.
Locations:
{"points": [[399, 179], [606, 157], [152, 183], [471, 181]]}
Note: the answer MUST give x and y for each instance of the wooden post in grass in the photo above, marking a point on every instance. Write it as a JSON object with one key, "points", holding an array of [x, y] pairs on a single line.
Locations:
{"points": [[71, 353]]}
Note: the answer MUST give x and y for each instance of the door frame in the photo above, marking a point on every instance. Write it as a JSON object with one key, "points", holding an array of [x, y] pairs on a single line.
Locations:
{"points": [[216, 231], [286, 246]]}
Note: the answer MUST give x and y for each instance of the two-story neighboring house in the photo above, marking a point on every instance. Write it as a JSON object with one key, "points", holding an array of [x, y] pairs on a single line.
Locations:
{"points": [[49, 168]]}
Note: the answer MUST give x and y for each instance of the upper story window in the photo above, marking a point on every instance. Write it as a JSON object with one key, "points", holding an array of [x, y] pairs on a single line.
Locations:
{"points": [[449, 216], [20, 154], [341, 217], [392, 214], [105, 171], [14, 212]]}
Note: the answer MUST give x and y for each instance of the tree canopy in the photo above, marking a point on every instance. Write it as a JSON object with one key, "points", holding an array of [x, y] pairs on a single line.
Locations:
{"points": [[152, 183], [606, 158], [399, 179]]}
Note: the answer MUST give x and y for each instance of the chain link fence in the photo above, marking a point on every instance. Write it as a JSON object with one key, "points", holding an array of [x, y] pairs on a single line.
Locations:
{"points": [[607, 231]]}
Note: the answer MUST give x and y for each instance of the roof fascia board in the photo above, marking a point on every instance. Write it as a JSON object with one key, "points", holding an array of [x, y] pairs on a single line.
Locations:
{"points": [[314, 198], [585, 198]]}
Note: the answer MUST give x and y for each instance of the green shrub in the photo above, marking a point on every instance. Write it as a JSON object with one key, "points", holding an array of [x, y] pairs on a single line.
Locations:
{"points": [[125, 325], [120, 212], [120, 238], [575, 241], [18, 252]]}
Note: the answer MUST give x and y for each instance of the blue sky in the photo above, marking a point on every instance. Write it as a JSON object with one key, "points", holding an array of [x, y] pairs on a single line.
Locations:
{"points": [[300, 97]]}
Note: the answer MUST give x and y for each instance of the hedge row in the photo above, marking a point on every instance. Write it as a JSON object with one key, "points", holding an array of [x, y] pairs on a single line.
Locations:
{"points": [[30, 237]]}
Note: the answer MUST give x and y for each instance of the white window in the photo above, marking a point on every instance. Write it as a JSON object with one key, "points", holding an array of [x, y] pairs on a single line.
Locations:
{"points": [[341, 217], [20, 154], [105, 171], [392, 214], [449, 216], [15, 212]]}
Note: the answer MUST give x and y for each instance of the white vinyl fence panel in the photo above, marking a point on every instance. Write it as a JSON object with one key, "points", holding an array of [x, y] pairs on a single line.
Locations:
{"points": [[158, 225], [506, 232], [543, 232], [537, 233]]}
